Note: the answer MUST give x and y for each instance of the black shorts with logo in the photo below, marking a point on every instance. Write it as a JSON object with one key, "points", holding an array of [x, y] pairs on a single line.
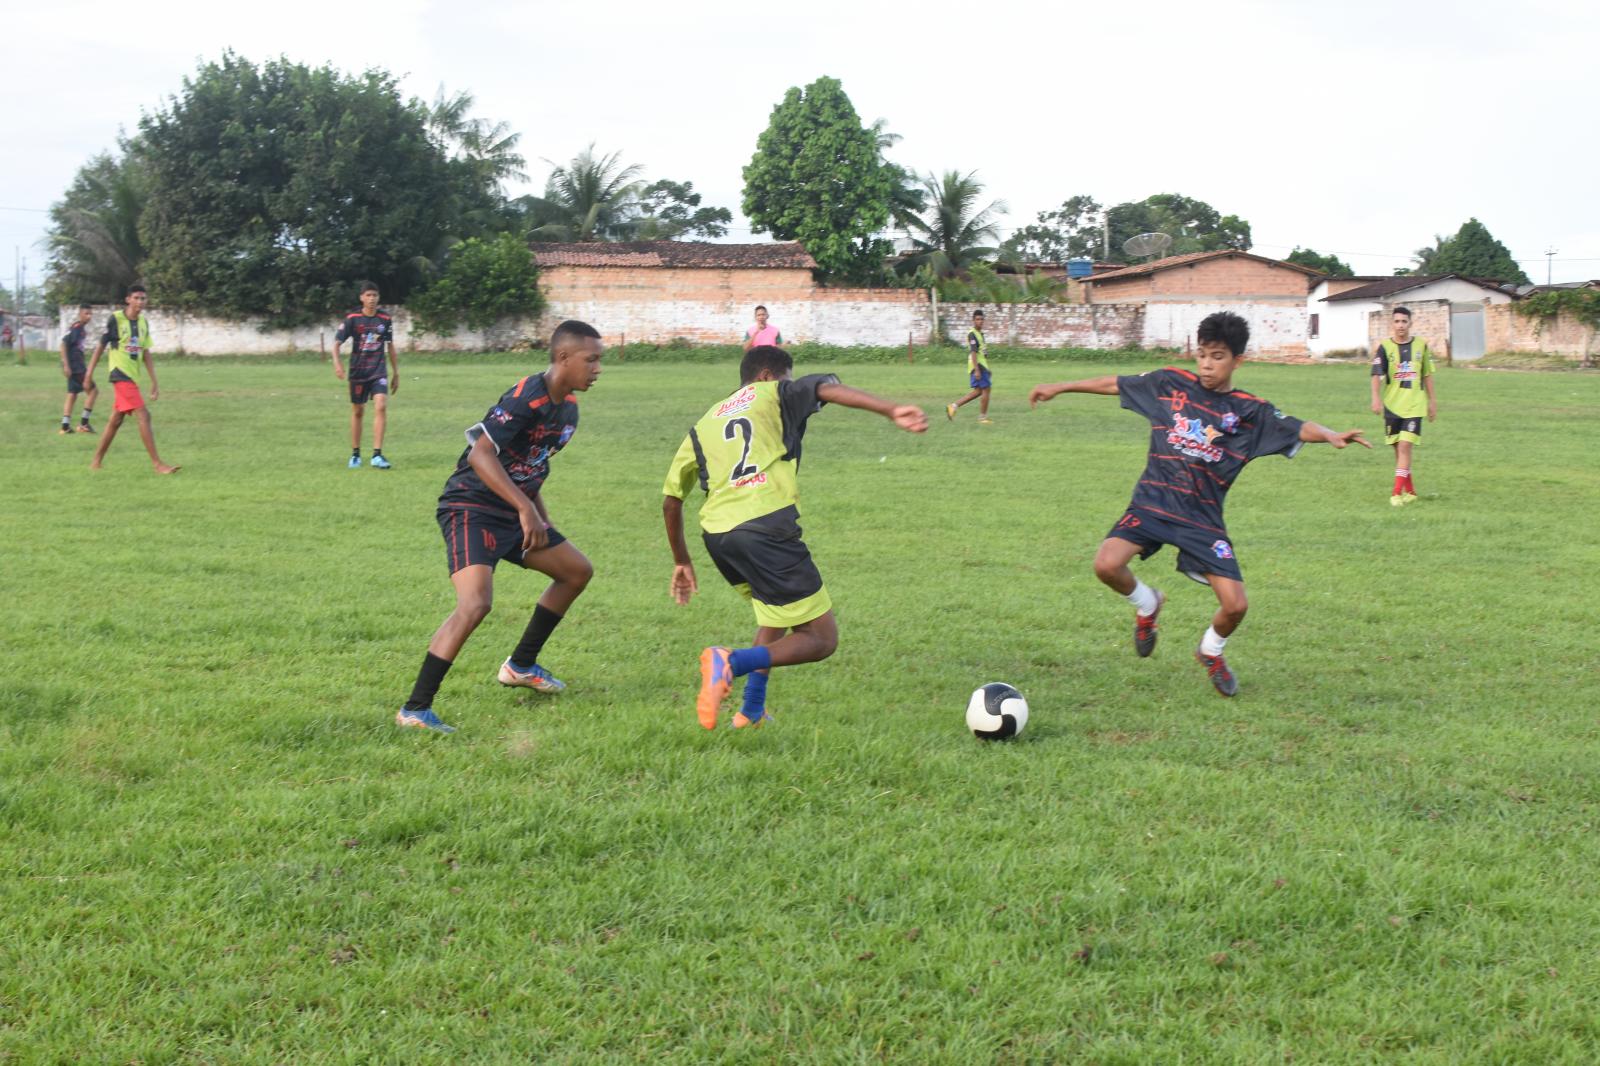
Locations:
{"points": [[1394, 425], [767, 554], [366, 388], [1201, 551], [476, 536]]}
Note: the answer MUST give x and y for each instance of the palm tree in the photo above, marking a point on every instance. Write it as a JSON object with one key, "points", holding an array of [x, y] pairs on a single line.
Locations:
{"points": [[94, 245], [953, 234], [589, 199], [490, 148], [907, 201]]}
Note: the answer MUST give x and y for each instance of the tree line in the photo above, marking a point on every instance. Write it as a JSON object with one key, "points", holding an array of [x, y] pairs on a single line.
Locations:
{"points": [[270, 189]]}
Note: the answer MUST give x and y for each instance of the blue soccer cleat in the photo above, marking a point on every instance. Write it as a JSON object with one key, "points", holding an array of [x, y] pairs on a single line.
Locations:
{"points": [[422, 719], [380, 463], [354, 463], [535, 677]]}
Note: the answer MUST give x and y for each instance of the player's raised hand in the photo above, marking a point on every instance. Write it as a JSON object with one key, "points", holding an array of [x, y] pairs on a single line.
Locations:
{"points": [[910, 418], [1349, 436], [684, 584], [1041, 394]]}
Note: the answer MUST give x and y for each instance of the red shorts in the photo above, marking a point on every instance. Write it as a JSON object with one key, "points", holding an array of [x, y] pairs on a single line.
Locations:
{"points": [[129, 398]]}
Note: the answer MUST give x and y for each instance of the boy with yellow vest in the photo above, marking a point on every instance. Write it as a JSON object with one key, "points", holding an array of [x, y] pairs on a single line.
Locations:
{"points": [[745, 453], [127, 337], [978, 376], [1405, 365]]}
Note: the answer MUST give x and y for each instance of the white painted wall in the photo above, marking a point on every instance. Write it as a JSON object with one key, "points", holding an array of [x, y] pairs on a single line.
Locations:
{"points": [[1344, 322], [1273, 327]]}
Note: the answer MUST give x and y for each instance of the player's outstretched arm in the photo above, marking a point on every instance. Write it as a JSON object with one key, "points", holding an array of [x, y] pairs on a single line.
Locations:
{"points": [[908, 417], [485, 462], [1316, 433], [1106, 386], [683, 583]]}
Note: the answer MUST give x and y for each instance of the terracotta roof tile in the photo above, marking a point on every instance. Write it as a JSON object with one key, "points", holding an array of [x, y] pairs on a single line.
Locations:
{"points": [[1377, 290], [681, 254], [1196, 257]]}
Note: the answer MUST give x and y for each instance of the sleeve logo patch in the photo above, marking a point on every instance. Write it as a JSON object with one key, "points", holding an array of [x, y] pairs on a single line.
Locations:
{"points": [[1222, 549]]}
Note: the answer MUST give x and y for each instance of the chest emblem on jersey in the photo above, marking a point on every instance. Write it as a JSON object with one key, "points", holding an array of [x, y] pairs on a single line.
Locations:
{"points": [[1192, 437], [500, 415], [1230, 422], [739, 401]]}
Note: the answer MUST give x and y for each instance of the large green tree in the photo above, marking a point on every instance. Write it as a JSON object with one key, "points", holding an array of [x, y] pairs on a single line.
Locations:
{"points": [[592, 198], [95, 251], [1474, 252], [956, 232], [272, 189], [1071, 231], [818, 177], [1330, 264]]}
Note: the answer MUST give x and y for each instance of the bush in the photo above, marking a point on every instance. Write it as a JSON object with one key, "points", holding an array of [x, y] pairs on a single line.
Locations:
{"points": [[484, 281]]}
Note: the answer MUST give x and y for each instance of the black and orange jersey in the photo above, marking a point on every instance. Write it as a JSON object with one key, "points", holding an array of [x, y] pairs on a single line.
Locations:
{"points": [[527, 429], [368, 335], [1199, 442]]}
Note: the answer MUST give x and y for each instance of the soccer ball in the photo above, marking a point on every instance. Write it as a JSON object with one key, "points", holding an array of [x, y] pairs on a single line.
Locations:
{"points": [[996, 712]]}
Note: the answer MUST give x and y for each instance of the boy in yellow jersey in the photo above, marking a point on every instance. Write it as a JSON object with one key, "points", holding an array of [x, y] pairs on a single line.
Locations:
{"points": [[1402, 362], [978, 377], [745, 453], [126, 342]]}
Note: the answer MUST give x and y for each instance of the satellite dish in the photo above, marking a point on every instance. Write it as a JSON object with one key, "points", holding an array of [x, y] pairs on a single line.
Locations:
{"points": [[1147, 244]]}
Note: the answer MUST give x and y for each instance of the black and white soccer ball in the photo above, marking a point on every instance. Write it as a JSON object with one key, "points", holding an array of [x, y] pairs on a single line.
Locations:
{"points": [[996, 712]]}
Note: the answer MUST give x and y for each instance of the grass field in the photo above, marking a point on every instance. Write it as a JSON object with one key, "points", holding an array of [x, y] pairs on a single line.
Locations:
{"points": [[216, 847]]}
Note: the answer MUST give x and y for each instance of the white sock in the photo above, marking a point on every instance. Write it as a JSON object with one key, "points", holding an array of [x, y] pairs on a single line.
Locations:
{"points": [[1211, 643], [1143, 598]]}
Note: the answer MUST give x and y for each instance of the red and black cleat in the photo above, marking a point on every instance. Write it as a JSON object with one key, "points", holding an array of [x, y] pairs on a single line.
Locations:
{"points": [[1221, 677], [1145, 628]]}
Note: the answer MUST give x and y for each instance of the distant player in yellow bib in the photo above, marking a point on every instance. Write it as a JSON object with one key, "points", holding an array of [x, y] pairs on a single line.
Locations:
{"points": [[1402, 391], [744, 452]]}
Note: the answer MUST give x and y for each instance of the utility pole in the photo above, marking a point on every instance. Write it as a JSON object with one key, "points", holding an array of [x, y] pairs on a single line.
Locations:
{"points": [[1550, 254], [1105, 236]]}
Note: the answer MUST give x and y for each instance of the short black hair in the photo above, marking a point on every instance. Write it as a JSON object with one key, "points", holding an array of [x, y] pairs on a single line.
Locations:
{"points": [[86, 307], [764, 357], [978, 313], [369, 286], [761, 307], [569, 330], [1401, 311], [1224, 327], [133, 289]]}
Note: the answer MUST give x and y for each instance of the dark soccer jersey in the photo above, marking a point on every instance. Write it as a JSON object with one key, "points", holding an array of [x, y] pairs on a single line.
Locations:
{"points": [[367, 335], [74, 338], [526, 429], [1199, 442]]}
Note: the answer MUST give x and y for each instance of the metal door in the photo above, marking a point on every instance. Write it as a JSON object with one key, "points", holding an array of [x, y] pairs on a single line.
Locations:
{"points": [[1466, 331]]}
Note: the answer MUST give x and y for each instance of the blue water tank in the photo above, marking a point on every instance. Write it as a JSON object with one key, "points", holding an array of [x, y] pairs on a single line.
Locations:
{"points": [[1080, 268]]}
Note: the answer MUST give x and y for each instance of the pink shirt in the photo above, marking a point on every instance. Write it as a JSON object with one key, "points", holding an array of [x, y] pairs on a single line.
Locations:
{"points": [[765, 335]]}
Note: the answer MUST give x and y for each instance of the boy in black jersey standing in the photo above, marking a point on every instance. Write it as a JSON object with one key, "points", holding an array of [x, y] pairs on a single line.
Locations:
{"points": [[370, 333], [1202, 433], [492, 509]]}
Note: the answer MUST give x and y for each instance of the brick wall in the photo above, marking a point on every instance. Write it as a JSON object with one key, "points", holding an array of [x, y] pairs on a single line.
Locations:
{"points": [[1229, 278], [1505, 330], [1430, 320], [1048, 325]]}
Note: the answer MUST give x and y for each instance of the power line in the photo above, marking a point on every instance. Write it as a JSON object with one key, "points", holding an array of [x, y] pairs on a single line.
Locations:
{"points": [[35, 210]]}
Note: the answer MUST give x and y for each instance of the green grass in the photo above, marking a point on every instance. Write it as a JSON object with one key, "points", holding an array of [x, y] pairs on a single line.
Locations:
{"points": [[215, 846]]}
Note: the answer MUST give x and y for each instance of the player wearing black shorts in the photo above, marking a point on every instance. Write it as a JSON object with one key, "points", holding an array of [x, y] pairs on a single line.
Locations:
{"points": [[492, 509], [1202, 433], [72, 365], [744, 453], [371, 334]]}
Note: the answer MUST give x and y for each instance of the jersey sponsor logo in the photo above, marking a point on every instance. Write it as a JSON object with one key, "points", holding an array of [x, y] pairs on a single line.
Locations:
{"points": [[1222, 549], [739, 401], [753, 479], [1192, 437], [500, 415], [1230, 422]]}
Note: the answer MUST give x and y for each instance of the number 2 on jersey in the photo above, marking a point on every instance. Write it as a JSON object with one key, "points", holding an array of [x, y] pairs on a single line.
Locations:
{"points": [[743, 428]]}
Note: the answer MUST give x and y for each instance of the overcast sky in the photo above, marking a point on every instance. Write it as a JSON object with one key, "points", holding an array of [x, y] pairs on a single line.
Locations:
{"points": [[1358, 127]]}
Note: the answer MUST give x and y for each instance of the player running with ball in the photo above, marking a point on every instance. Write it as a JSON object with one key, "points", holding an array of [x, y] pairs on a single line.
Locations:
{"points": [[744, 452], [1202, 433]]}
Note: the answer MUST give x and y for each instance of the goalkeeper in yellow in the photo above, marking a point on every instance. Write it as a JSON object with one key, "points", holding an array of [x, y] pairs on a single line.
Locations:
{"points": [[745, 453]]}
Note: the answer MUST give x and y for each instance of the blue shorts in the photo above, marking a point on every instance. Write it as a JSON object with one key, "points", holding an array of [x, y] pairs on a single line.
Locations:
{"points": [[979, 378], [1201, 551]]}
